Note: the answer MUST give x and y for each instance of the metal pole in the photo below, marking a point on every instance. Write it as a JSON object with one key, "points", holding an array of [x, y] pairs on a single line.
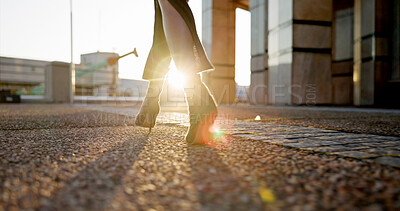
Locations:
{"points": [[72, 66]]}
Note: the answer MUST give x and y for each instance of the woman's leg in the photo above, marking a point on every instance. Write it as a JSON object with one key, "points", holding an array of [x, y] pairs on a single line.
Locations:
{"points": [[150, 106], [202, 111], [179, 38], [202, 107], [155, 70]]}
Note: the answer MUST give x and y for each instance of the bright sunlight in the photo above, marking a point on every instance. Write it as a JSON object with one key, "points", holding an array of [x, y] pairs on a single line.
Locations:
{"points": [[175, 78]]}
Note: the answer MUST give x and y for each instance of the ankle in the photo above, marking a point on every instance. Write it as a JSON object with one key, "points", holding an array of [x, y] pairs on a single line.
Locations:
{"points": [[155, 89]]}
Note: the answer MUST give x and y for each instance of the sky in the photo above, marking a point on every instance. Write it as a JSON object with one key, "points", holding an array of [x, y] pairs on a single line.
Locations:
{"points": [[40, 29]]}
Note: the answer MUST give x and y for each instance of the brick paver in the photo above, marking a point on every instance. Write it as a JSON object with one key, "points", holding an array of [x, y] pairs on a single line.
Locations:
{"points": [[384, 149], [376, 148]]}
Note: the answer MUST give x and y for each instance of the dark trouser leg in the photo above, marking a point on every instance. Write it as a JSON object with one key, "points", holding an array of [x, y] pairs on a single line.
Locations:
{"points": [[202, 111], [155, 70], [150, 106], [202, 107], [159, 57]]}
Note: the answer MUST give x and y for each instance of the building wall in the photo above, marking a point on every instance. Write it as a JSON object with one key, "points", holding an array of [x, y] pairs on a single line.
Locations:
{"points": [[372, 35], [299, 46], [219, 42], [94, 76], [341, 52], [28, 76], [21, 71], [132, 88], [395, 51], [258, 91]]}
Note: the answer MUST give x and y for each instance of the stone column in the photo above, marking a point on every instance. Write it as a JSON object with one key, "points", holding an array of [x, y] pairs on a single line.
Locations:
{"points": [[395, 73], [259, 52], [392, 87], [299, 50], [58, 82], [342, 52], [219, 42], [371, 50]]}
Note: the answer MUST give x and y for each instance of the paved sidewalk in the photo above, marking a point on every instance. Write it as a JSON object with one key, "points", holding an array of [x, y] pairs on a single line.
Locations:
{"points": [[376, 148], [61, 157], [380, 149]]}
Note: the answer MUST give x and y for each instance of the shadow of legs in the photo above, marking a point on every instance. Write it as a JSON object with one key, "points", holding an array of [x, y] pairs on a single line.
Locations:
{"points": [[218, 187], [93, 187]]}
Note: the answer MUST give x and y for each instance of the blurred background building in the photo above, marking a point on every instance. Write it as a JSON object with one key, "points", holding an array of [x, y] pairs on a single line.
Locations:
{"points": [[24, 75], [307, 52], [93, 77]]}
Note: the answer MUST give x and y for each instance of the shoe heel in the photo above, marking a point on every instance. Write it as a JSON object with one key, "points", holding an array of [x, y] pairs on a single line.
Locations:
{"points": [[146, 120], [200, 133]]}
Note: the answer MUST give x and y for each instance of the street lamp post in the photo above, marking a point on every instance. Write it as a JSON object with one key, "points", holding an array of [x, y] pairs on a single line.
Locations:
{"points": [[72, 65]]}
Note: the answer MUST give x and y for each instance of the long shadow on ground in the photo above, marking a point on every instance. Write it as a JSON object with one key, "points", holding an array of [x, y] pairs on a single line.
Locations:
{"points": [[218, 187], [93, 187]]}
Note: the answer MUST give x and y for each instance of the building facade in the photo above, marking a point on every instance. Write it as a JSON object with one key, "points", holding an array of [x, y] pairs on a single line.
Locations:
{"points": [[93, 75], [22, 74], [309, 52]]}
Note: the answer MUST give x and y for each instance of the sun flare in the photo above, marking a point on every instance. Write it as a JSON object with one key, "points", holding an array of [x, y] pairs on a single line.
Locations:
{"points": [[175, 78]]}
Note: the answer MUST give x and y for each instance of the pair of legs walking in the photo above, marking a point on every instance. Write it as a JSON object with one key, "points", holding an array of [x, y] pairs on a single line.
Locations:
{"points": [[176, 40]]}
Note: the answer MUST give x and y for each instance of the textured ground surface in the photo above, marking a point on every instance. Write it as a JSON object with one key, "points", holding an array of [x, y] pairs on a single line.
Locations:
{"points": [[382, 122], [62, 157]]}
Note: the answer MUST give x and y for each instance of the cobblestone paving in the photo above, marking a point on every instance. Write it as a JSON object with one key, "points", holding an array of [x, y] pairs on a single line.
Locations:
{"points": [[381, 149], [384, 122]]}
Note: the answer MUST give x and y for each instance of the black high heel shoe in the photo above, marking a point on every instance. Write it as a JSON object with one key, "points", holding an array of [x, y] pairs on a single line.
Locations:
{"points": [[203, 112], [200, 124], [150, 107], [148, 114]]}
